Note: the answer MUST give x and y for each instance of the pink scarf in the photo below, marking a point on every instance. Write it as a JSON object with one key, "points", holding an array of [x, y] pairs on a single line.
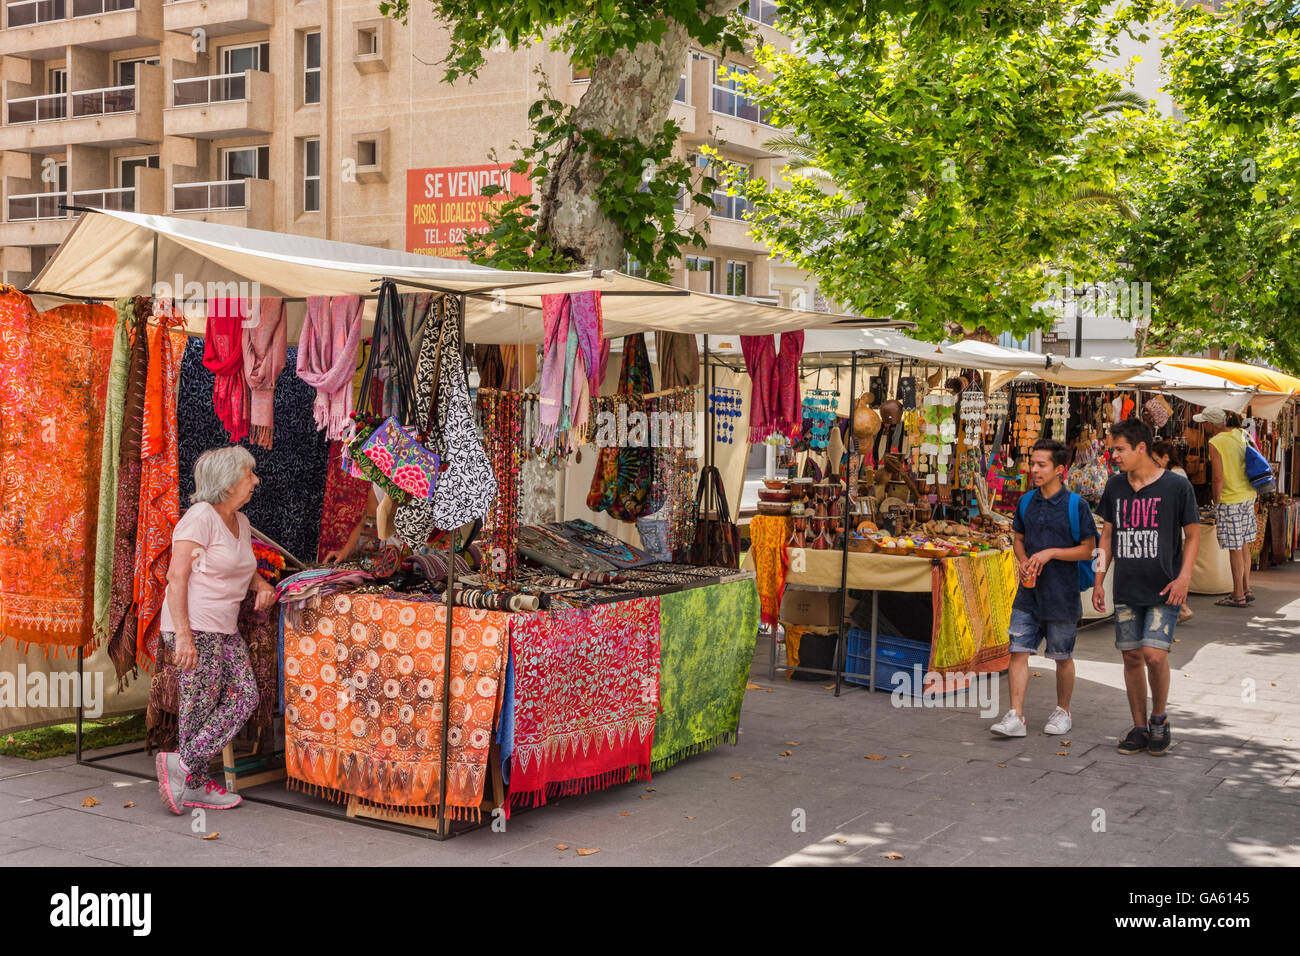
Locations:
{"points": [[775, 403], [565, 399], [327, 356], [264, 349], [223, 357]]}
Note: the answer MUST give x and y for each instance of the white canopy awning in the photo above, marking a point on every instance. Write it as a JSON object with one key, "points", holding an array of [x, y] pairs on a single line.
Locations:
{"points": [[110, 254], [970, 354]]}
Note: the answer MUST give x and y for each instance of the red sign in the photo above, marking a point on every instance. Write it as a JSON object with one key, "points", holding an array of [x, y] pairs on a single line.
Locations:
{"points": [[445, 204]]}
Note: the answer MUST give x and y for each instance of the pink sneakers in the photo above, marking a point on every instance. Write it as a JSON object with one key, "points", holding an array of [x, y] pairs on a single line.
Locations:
{"points": [[211, 796]]}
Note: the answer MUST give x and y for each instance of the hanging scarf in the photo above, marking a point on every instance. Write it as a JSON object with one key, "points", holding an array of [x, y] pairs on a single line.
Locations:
{"points": [[122, 620], [679, 359], [625, 471], [327, 352], [159, 486], [53, 379], [223, 355], [264, 346], [573, 327], [114, 411], [775, 402]]}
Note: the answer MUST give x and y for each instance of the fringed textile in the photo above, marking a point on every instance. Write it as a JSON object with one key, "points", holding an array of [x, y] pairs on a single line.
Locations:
{"points": [[972, 611]]}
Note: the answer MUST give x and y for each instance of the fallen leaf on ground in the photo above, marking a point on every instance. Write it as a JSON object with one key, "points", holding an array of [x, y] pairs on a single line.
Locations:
{"points": [[792, 743], [561, 846], [90, 802], [1035, 674], [625, 814], [875, 757], [1274, 684], [752, 686], [905, 756], [841, 841], [213, 835], [649, 789], [1065, 743], [1062, 753], [645, 796], [828, 687], [785, 753], [768, 690], [1187, 675], [588, 850], [1177, 640], [689, 817], [1001, 765], [128, 804], [895, 856], [739, 776]]}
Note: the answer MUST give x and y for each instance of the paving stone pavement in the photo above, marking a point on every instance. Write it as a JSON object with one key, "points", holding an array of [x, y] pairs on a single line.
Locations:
{"points": [[947, 792]]}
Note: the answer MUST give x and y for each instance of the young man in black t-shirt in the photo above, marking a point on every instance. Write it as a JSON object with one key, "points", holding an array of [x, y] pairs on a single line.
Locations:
{"points": [[1151, 535]]}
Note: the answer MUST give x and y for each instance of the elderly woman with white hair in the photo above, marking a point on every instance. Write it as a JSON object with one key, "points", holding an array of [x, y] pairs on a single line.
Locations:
{"points": [[212, 569]]}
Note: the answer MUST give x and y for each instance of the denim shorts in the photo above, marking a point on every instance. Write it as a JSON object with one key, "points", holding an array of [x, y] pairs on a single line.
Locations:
{"points": [[1027, 632], [1137, 627]]}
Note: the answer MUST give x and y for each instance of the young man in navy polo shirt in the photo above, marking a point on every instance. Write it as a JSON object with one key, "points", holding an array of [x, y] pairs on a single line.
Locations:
{"points": [[1047, 604]]}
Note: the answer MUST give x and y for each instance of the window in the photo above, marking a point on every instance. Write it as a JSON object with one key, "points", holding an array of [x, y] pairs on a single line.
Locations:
{"points": [[581, 74], [761, 10], [701, 264], [311, 176], [737, 278], [126, 69], [731, 207], [237, 59], [127, 167], [368, 41], [727, 98], [311, 61], [58, 81], [680, 95], [367, 153], [60, 182], [246, 162]]}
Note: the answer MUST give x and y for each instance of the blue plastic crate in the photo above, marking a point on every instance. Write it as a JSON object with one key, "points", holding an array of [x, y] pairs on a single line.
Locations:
{"points": [[893, 654]]}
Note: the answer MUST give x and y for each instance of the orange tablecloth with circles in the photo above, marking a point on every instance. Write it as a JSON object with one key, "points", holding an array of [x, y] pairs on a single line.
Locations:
{"points": [[363, 699]]}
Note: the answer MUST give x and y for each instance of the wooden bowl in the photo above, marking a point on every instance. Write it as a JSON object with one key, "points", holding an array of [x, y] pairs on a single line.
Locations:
{"points": [[782, 496]]}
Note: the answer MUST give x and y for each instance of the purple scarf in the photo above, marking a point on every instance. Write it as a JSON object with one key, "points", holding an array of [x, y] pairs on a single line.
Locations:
{"points": [[327, 359]]}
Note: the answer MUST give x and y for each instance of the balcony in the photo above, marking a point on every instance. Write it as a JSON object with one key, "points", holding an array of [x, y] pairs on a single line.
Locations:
{"points": [[213, 107], [231, 202], [109, 117], [218, 17], [725, 116], [42, 29]]}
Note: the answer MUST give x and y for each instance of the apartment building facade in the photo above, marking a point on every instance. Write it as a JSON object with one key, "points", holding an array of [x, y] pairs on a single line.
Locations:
{"points": [[317, 117]]}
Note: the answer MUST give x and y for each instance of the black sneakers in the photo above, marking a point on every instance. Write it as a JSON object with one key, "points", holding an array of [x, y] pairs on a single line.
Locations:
{"points": [[1158, 744], [1137, 741]]}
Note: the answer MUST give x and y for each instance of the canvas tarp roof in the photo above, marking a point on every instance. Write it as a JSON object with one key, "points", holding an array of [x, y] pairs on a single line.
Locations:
{"points": [[988, 358], [1252, 376], [110, 254]]}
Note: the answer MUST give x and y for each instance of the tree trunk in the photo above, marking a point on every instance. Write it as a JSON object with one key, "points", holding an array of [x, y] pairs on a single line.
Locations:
{"points": [[630, 94]]}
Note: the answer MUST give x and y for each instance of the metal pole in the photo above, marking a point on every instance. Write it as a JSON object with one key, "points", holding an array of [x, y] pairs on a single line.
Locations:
{"points": [[81, 698], [875, 632], [842, 639]]}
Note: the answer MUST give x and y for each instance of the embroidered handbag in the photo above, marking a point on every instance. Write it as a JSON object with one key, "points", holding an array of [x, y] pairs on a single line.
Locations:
{"points": [[388, 328], [407, 463]]}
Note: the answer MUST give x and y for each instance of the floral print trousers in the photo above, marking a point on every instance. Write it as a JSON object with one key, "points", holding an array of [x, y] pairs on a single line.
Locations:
{"points": [[216, 699]]}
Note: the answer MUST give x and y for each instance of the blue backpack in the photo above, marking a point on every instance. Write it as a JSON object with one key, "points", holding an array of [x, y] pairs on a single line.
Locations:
{"points": [[1086, 574]]}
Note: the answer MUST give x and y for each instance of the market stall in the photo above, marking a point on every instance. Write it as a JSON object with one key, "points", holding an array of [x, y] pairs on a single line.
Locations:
{"points": [[576, 660]]}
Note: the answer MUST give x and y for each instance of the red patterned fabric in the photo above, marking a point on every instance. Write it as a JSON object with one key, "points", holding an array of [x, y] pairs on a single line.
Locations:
{"points": [[586, 694], [53, 385], [160, 507], [345, 504], [223, 356]]}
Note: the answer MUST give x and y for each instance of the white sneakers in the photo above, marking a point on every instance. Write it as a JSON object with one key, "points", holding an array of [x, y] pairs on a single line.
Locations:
{"points": [[1059, 722], [1011, 725]]}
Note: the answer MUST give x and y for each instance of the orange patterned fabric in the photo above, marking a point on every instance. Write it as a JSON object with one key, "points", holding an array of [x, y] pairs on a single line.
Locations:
{"points": [[159, 489], [53, 385], [767, 537], [363, 699]]}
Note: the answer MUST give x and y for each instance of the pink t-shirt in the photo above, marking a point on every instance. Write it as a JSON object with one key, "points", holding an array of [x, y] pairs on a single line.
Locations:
{"points": [[222, 572]]}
